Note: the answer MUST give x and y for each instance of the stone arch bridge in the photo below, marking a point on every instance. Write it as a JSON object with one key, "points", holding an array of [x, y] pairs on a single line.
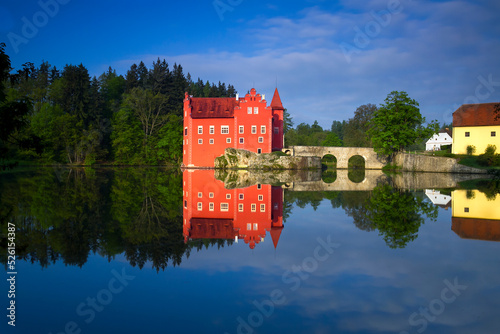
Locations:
{"points": [[343, 154]]}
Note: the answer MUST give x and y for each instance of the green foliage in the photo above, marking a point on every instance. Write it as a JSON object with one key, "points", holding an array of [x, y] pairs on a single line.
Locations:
{"points": [[398, 124], [331, 140], [489, 157], [355, 131], [471, 149]]}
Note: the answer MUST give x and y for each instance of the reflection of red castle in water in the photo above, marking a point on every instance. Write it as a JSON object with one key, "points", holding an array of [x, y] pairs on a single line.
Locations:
{"points": [[211, 211]]}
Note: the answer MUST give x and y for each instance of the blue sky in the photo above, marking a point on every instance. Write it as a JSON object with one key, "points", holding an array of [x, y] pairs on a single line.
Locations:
{"points": [[328, 57]]}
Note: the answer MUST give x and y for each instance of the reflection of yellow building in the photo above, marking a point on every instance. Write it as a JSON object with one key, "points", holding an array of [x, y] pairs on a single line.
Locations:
{"points": [[474, 216], [475, 124]]}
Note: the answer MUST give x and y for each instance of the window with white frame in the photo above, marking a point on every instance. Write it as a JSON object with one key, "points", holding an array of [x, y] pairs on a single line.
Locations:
{"points": [[263, 129], [211, 195], [211, 206], [249, 226], [253, 207], [242, 140], [224, 129], [212, 129], [185, 131], [240, 207], [200, 129], [254, 129], [200, 141], [259, 150], [228, 196], [200, 206], [261, 197], [255, 226], [211, 141], [200, 195], [241, 196], [241, 129], [249, 110], [224, 207], [262, 208], [261, 139], [228, 140], [256, 110]]}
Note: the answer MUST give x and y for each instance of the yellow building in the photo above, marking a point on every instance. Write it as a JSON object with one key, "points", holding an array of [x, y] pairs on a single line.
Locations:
{"points": [[475, 124], [474, 216]]}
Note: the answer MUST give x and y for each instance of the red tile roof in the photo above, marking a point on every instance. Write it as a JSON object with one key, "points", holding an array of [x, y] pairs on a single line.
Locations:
{"points": [[208, 107], [210, 228], [476, 115]]}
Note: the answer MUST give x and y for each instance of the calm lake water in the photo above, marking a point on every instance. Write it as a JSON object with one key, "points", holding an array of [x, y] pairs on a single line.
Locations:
{"points": [[157, 251]]}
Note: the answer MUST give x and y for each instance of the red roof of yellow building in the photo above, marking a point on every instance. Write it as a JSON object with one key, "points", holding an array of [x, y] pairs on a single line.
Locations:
{"points": [[480, 114]]}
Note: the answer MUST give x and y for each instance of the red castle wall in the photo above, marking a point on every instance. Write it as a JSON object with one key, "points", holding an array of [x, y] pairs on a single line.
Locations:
{"points": [[213, 124]]}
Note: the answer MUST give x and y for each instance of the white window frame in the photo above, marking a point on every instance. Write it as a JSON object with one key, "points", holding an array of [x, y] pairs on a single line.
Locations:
{"points": [[199, 206], [200, 194], [255, 110], [240, 207], [253, 207], [263, 129], [254, 129], [261, 197], [228, 140], [255, 226], [228, 196], [211, 141], [242, 140], [224, 129], [261, 139], [212, 130], [224, 207], [211, 206], [249, 110], [200, 129], [241, 129], [200, 141], [262, 207], [211, 195], [241, 196]]}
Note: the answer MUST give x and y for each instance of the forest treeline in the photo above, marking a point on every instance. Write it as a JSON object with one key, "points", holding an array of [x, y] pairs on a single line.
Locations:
{"points": [[52, 115], [354, 132], [48, 115]]}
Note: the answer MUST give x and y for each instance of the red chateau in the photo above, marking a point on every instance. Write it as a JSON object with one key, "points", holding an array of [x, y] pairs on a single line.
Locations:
{"points": [[210, 211], [213, 124]]}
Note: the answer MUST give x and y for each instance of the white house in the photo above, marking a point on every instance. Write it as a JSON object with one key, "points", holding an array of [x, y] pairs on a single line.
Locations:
{"points": [[439, 139]]}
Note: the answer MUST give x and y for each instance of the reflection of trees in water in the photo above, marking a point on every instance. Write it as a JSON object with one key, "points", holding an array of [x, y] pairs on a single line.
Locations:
{"points": [[66, 215], [396, 214]]}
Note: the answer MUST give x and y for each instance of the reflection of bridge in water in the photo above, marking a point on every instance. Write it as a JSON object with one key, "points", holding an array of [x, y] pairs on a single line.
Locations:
{"points": [[374, 177], [341, 183]]}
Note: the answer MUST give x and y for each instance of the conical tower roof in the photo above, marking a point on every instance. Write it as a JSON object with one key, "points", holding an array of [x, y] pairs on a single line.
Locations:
{"points": [[275, 234], [276, 102]]}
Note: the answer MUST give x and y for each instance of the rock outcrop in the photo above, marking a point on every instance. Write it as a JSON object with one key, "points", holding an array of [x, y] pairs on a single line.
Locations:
{"points": [[243, 159]]}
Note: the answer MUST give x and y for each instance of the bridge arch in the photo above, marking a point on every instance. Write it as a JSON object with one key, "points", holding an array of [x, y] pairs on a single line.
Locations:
{"points": [[343, 154]]}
